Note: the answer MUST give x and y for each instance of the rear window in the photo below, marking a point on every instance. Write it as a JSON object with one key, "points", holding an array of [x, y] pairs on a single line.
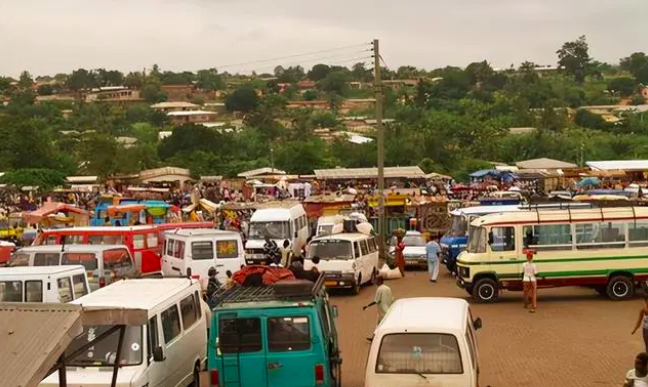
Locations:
{"points": [[117, 259], [34, 291], [287, 334], [11, 291], [139, 241], [106, 240], [88, 260], [80, 285], [202, 250], [419, 353], [237, 335], [19, 260], [227, 249], [46, 259]]}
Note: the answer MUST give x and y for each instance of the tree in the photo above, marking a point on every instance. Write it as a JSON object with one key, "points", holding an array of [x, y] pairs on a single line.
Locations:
{"points": [[209, 80], [25, 81], [45, 89], [318, 72], [5, 84], [623, 86], [109, 78], [243, 99], [335, 82], [637, 65], [134, 80], [574, 57], [45, 179], [360, 73], [153, 94], [82, 79], [479, 72]]}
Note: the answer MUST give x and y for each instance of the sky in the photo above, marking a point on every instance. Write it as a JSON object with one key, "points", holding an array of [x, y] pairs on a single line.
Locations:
{"points": [[53, 36]]}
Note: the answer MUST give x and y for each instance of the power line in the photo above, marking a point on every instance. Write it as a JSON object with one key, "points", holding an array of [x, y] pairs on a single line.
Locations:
{"points": [[343, 59], [292, 56]]}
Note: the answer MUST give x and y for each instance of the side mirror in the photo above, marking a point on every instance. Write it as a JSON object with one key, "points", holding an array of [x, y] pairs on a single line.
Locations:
{"points": [[477, 324], [335, 311], [158, 354]]}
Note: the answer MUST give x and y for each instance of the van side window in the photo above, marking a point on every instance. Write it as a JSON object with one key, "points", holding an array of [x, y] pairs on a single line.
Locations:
{"points": [[64, 289], [365, 247], [227, 249], [202, 250], [419, 353], [356, 249], [238, 335], [197, 301], [169, 247], [170, 323], [153, 338], [33, 291], [11, 291], [471, 346], [80, 286], [88, 260], [287, 334], [178, 249], [46, 259], [151, 240], [503, 239], [138, 241], [189, 312]]}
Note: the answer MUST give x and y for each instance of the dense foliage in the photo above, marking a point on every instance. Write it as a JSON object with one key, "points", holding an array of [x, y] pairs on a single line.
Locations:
{"points": [[453, 121]]}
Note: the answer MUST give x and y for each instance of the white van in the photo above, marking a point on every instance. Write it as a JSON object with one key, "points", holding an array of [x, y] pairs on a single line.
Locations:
{"points": [[193, 251], [168, 351], [43, 284], [425, 341], [104, 264], [348, 260], [279, 224], [326, 223]]}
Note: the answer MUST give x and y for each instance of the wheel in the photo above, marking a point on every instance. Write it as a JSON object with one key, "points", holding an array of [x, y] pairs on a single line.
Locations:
{"points": [[620, 287], [485, 290], [374, 275], [196, 376], [356, 286]]}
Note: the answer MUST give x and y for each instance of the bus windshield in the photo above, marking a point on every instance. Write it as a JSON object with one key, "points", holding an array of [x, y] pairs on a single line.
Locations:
{"points": [[330, 249], [273, 230], [476, 240], [459, 226]]}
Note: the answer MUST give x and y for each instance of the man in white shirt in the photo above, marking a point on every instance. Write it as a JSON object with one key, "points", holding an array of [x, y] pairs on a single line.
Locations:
{"points": [[383, 300], [529, 274], [638, 376]]}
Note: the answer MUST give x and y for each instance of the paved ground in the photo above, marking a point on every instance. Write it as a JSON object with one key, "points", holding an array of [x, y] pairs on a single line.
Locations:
{"points": [[576, 338]]}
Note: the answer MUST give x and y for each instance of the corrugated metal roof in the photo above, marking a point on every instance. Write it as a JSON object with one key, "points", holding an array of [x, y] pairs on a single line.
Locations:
{"points": [[544, 163], [261, 171], [370, 173], [33, 336], [81, 179], [616, 165], [153, 173]]}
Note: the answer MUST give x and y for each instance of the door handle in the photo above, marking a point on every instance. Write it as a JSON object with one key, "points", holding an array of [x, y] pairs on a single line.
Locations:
{"points": [[220, 265], [274, 365], [176, 269]]}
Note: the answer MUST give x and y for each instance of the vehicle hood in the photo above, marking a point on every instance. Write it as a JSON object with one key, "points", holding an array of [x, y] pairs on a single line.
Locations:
{"points": [[330, 265], [93, 377]]}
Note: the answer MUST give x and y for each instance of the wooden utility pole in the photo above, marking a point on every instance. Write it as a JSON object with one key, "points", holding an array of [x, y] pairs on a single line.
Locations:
{"points": [[381, 149]]}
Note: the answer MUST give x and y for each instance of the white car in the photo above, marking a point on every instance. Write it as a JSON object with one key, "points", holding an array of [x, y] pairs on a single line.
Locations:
{"points": [[414, 253]]}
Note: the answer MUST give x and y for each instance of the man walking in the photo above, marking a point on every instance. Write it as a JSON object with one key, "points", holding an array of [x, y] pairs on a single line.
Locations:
{"points": [[382, 300], [432, 249]]}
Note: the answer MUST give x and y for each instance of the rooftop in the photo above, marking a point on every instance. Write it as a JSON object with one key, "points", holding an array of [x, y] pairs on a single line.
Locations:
{"points": [[426, 313], [615, 165], [544, 163], [174, 105], [164, 171], [414, 172], [185, 113], [261, 172], [27, 270]]}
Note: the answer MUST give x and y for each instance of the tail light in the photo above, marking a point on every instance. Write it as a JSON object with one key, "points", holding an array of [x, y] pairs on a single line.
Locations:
{"points": [[319, 374], [196, 276], [213, 378], [102, 282]]}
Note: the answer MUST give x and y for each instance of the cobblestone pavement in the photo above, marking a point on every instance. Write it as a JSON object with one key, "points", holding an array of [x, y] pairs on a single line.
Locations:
{"points": [[576, 338]]}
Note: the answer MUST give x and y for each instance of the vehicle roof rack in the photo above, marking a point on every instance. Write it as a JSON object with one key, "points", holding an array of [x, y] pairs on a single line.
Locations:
{"points": [[287, 290]]}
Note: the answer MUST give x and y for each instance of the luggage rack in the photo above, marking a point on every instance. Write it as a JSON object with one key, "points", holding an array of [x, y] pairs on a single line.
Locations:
{"points": [[292, 290]]}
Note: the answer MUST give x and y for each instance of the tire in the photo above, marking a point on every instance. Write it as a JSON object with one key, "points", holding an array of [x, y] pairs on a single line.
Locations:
{"points": [[356, 286], [619, 288], [196, 376], [485, 290]]}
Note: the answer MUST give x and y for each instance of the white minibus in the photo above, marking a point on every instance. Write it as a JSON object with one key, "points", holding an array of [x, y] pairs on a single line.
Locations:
{"points": [[427, 341], [193, 251], [348, 260], [43, 283], [279, 224], [104, 264], [169, 351]]}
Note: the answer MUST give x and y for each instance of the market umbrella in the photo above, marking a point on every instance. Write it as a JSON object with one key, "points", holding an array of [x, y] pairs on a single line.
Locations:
{"points": [[588, 181]]}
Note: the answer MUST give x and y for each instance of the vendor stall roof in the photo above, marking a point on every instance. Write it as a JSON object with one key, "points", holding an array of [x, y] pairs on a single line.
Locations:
{"points": [[625, 165], [369, 173], [81, 179], [261, 172], [544, 163]]}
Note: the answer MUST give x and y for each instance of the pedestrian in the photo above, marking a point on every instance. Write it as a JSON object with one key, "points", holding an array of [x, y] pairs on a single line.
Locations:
{"points": [[383, 300], [432, 249], [213, 284], [285, 252], [643, 317], [638, 376], [529, 274], [271, 251], [399, 257]]}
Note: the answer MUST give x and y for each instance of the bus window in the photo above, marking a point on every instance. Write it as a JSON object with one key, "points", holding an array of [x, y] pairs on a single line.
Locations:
{"points": [[548, 237], [502, 239], [138, 241]]}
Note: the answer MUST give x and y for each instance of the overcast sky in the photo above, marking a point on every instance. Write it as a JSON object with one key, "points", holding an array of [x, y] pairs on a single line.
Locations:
{"points": [[50, 36]]}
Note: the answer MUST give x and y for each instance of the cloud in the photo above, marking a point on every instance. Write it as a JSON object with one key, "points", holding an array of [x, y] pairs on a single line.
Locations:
{"points": [[46, 37]]}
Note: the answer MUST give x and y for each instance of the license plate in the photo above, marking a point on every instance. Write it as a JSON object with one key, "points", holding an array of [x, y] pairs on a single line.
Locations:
{"points": [[330, 283]]}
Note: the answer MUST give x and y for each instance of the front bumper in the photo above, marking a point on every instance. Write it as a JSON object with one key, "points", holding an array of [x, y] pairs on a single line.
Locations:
{"points": [[337, 280], [415, 261], [255, 259]]}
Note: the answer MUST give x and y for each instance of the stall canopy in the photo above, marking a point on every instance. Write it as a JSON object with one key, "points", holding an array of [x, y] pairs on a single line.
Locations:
{"points": [[619, 165], [370, 173], [52, 208], [483, 173], [544, 163]]}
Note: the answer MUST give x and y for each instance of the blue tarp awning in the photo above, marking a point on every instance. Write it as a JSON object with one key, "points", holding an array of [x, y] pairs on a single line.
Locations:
{"points": [[484, 173]]}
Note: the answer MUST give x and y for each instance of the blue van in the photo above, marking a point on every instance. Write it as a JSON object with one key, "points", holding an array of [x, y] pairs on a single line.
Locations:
{"points": [[282, 335]]}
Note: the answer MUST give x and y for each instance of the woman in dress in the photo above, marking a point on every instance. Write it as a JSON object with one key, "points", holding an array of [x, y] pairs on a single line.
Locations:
{"points": [[400, 258]]}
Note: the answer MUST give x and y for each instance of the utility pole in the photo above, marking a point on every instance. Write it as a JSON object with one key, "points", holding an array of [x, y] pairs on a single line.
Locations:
{"points": [[272, 160], [381, 150]]}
